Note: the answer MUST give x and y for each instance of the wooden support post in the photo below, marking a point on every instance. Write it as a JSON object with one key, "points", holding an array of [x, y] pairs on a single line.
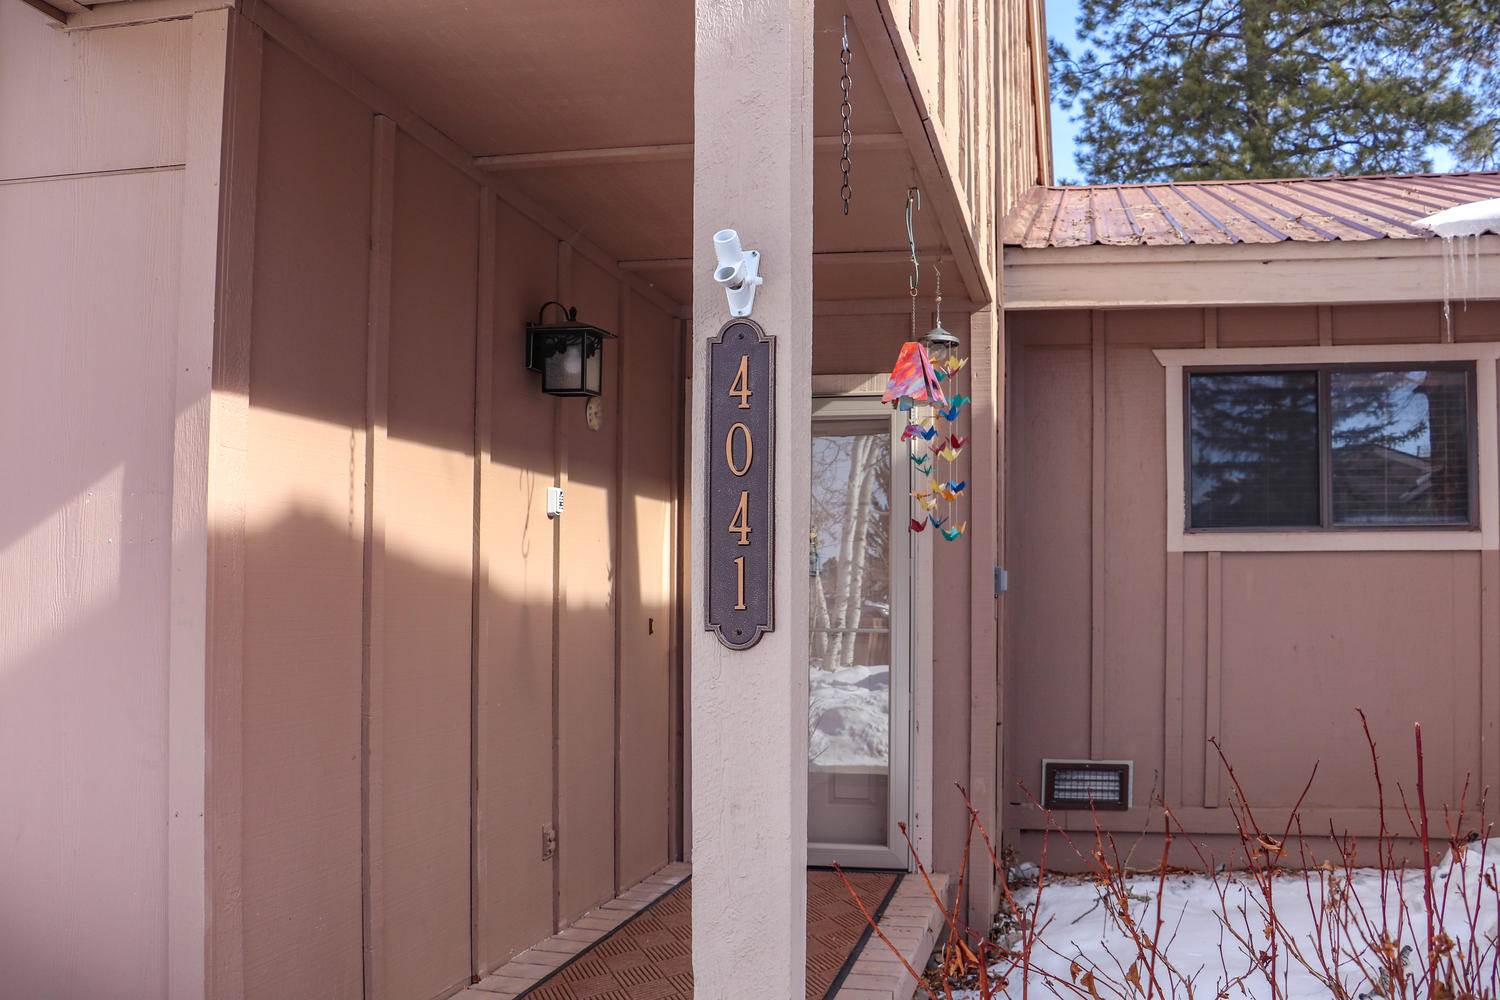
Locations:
{"points": [[753, 172], [984, 555]]}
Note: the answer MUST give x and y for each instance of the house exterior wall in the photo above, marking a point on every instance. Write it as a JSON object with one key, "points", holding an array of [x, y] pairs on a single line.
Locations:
{"points": [[432, 670], [107, 222], [302, 666], [1119, 649]]}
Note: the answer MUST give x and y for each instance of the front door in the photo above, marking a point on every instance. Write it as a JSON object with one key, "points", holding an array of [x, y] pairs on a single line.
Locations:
{"points": [[859, 670]]}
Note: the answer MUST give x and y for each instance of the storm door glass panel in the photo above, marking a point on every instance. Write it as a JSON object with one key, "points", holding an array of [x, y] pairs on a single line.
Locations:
{"points": [[1253, 450], [849, 670], [1400, 446]]}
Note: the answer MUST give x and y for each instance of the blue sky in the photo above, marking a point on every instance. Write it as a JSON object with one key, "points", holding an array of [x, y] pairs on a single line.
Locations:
{"points": [[1062, 22]]}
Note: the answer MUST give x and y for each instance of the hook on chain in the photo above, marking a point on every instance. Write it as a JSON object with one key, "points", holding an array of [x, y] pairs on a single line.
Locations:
{"points": [[913, 205]]}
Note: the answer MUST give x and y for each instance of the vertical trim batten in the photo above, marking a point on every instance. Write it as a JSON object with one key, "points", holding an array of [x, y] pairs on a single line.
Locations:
{"points": [[1098, 466], [226, 495], [559, 600], [1489, 669], [1213, 698], [479, 634], [1172, 748], [676, 694], [622, 477], [188, 635], [377, 399]]}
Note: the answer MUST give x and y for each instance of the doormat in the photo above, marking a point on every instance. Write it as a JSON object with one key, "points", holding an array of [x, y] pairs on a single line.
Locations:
{"points": [[649, 956]]}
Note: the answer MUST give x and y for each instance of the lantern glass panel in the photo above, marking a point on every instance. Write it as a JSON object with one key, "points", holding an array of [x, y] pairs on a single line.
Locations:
{"points": [[563, 371], [593, 365]]}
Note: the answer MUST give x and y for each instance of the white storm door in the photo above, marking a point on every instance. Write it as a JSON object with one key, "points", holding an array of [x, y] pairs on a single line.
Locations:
{"points": [[859, 669]]}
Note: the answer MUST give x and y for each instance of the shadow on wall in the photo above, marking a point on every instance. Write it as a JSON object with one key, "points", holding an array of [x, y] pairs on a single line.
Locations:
{"points": [[96, 665]]}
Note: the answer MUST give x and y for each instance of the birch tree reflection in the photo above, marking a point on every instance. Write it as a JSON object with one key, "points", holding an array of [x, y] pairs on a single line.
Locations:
{"points": [[848, 561]]}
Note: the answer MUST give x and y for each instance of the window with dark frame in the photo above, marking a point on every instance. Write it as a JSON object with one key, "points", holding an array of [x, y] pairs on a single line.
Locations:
{"points": [[1330, 446]]}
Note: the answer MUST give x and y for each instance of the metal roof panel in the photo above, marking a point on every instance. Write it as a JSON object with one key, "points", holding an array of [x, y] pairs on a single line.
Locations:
{"points": [[1306, 209]]}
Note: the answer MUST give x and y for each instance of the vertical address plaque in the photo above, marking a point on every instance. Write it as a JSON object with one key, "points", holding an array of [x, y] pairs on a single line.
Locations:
{"points": [[738, 561]]}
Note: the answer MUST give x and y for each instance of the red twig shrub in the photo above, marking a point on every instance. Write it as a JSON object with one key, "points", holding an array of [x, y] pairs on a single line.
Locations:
{"points": [[1288, 925]]}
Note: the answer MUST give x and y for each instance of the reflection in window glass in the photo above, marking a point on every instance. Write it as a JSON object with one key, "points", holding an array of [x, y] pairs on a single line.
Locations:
{"points": [[849, 616], [1253, 450], [1400, 446]]}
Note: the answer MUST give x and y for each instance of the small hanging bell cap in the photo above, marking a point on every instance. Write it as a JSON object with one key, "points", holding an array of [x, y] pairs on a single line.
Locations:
{"points": [[938, 337]]}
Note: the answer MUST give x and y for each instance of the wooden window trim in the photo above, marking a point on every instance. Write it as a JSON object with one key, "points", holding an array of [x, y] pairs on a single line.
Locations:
{"points": [[1484, 534]]}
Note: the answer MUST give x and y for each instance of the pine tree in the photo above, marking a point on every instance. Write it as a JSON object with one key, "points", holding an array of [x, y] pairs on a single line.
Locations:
{"points": [[1206, 89]]}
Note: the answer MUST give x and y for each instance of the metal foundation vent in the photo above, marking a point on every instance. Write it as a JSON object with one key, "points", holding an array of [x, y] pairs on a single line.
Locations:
{"points": [[1079, 784]]}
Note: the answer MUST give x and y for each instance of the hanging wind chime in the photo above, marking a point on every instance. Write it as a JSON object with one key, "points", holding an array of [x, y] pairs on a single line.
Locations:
{"points": [[924, 386]]}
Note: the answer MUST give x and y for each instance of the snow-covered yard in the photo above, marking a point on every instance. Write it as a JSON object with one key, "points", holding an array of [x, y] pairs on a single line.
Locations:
{"points": [[1215, 936]]}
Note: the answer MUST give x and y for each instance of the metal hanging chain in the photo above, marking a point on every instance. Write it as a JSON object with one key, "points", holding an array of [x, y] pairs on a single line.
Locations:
{"points": [[913, 205], [846, 161], [937, 304]]}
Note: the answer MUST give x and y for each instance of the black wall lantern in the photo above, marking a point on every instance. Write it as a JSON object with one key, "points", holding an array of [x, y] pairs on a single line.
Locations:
{"points": [[570, 355]]}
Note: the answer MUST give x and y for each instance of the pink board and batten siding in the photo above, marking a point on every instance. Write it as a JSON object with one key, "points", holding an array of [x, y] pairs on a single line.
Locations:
{"points": [[317, 600], [1120, 649], [390, 294], [104, 325]]}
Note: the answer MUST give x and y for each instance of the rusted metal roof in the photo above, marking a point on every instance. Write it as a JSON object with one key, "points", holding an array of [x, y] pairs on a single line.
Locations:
{"points": [[1310, 210]]}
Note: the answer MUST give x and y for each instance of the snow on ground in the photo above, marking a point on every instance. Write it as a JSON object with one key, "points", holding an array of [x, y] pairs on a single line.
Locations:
{"points": [[1077, 926], [849, 713]]}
